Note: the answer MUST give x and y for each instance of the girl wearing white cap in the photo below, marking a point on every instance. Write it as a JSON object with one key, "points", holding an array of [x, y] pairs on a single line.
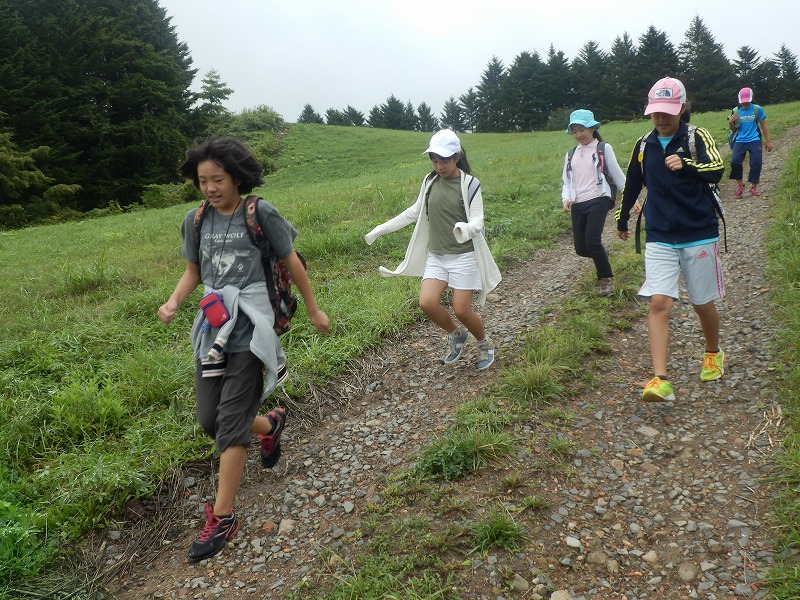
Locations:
{"points": [[588, 194], [447, 247]]}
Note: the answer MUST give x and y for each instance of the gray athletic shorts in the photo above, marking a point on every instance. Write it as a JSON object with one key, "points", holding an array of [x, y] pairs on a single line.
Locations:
{"points": [[460, 271], [699, 265], [227, 405]]}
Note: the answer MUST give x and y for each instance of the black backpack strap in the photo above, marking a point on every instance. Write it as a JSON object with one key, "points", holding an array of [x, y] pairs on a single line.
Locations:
{"points": [[428, 183], [637, 234], [259, 239], [570, 154], [199, 215], [713, 192], [472, 189]]}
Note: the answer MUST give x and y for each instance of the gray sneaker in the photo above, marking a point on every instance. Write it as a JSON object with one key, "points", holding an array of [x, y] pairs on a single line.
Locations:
{"points": [[457, 342], [485, 353], [606, 287]]}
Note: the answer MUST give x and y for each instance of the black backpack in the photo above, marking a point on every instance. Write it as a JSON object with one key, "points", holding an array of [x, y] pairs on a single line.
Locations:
{"points": [[278, 278]]}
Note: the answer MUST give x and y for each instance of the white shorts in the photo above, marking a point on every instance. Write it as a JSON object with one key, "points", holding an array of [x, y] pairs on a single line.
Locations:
{"points": [[700, 266], [460, 271]]}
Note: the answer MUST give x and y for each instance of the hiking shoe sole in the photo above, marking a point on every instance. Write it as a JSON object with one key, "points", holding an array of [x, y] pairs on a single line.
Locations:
{"points": [[271, 443]]}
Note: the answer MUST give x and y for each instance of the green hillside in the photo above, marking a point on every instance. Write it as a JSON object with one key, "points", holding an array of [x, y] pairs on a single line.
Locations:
{"points": [[96, 395]]}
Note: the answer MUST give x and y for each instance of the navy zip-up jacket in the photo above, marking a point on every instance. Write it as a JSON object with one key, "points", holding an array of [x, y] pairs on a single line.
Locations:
{"points": [[678, 208]]}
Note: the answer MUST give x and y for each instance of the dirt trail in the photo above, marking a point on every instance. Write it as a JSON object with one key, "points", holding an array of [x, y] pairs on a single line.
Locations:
{"points": [[661, 501]]}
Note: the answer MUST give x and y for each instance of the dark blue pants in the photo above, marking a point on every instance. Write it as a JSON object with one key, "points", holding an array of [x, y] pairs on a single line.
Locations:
{"points": [[737, 159], [588, 220]]}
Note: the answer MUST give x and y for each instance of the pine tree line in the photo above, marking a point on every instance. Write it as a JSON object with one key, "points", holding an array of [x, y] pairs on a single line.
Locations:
{"points": [[538, 94]]}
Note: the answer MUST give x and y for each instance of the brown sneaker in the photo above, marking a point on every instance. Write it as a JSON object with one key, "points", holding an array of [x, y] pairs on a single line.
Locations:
{"points": [[606, 286]]}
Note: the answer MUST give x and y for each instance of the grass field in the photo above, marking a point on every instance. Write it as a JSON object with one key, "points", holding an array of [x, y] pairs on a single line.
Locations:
{"points": [[96, 395]]}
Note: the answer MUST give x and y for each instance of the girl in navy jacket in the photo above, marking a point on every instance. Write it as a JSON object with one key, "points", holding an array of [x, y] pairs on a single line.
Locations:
{"points": [[676, 163]]}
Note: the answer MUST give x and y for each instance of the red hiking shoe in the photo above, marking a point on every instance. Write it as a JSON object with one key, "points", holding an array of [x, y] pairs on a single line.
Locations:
{"points": [[271, 442], [216, 533]]}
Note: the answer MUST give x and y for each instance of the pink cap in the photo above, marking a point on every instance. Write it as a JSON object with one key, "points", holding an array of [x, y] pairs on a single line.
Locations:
{"points": [[745, 95], [667, 96]]}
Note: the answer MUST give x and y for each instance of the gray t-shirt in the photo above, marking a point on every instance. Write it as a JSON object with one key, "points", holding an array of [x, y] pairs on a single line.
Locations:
{"points": [[445, 209], [227, 256]]}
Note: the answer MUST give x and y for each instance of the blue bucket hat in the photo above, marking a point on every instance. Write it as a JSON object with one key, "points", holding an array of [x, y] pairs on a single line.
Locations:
{"points": [[582, 117]]}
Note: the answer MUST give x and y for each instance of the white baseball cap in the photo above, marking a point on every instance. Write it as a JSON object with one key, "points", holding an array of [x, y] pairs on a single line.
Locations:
{"points": [[445, 143]]}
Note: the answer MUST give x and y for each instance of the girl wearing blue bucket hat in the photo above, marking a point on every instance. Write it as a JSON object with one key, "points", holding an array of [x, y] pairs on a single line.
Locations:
{"points": [[591, 176]]}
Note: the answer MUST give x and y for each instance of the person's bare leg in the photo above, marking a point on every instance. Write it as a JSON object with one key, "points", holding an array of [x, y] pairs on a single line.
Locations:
{"points": [[261, 425], [231, 468], [658, 332], [709, 322], [462, 307], [430, 301]]}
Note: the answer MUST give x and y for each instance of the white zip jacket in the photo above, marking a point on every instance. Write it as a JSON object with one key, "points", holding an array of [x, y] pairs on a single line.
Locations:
{"points": [[413, 264]]}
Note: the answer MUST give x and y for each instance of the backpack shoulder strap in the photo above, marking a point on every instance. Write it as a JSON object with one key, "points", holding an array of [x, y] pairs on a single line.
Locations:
{"points": [[642, 144], [259, 239], [570, 154], [690, 135], [472, 188], [199, 215], [601, 159], [254, 229]]}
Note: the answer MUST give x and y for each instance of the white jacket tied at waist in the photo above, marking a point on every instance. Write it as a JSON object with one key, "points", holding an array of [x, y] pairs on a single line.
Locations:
{"points": [[413, 264], [253, 302]]}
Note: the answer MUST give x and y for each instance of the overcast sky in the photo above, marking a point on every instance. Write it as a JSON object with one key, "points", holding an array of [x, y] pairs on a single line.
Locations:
{"points": [[331, 53]]}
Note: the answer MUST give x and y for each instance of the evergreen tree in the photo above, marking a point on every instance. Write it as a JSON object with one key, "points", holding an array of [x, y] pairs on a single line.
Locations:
{"points": [[590, 79], [410, 119], [489, 116], [558, 95], [469, 109], [309, 115], [426, 120], [211, 113], [393, 113], [788, 74], [354, 117], [656, 58], [452, 116], [624, 103], [768, 87], [706, 72], [744, 67], [750, 71], [525, 108], [18, 171], [336, 117], [109, 93], [376, 118]]}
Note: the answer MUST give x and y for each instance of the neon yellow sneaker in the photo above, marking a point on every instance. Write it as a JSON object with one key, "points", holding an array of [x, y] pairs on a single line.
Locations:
{"points": [[658, 390], [712, 366]]}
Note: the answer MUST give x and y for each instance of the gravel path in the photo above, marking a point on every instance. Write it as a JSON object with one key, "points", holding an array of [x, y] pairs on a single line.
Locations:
{"points": [[664, 501]]}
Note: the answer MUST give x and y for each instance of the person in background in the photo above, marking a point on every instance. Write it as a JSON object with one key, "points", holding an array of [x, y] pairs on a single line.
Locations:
{"points": [[448, 248], [587, 194], [231, 385], [682, 229], [748, 121]]}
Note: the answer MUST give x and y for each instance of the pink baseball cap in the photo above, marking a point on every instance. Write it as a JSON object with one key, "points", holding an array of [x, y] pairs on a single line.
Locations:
{"points": [[745, 95], [667, 96]]}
